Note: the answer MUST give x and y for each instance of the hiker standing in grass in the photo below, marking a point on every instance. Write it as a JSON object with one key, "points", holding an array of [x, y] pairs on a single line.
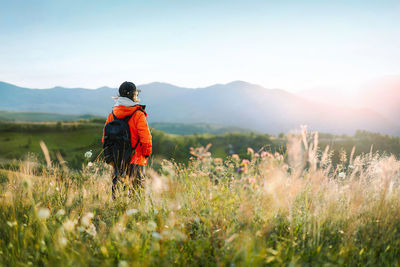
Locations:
{"points": [[126, 137]]}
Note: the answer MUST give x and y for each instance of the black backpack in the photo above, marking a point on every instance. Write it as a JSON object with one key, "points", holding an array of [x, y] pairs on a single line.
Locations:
{"points": [[117, 142]]}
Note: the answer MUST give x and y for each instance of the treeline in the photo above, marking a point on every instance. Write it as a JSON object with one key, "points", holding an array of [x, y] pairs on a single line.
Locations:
{"points": [[73, 139]]}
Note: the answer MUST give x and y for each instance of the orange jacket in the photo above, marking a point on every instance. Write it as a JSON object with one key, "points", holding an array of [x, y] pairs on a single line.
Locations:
{"points": [[139, 131]]}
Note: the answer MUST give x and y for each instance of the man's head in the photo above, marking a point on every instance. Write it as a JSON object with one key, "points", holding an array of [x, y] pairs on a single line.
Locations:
{"points": [[129, 90]]}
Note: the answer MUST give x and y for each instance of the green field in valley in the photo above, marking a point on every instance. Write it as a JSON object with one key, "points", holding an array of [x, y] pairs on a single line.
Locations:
{"points": [[29, 116], [73, 139]]}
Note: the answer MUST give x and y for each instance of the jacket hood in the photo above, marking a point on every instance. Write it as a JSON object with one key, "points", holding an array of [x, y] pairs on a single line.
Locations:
{"points": [[120, 100], [122, 111]]}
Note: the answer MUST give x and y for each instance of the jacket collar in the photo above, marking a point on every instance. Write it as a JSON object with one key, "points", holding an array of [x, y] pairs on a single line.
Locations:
{"points": [[124, 101]]}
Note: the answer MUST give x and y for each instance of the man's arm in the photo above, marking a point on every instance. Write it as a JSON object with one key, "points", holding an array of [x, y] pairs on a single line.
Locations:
{"points": [[144, 135]]}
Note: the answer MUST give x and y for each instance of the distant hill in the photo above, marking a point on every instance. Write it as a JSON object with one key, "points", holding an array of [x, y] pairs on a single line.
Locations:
{"points": [[237, 104]]}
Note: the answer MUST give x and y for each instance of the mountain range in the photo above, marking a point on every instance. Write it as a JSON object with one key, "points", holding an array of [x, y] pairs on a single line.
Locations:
{"points": [[238, 104]]}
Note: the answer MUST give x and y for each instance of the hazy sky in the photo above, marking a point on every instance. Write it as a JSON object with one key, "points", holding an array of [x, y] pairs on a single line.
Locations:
{"points": [[293, 45]]}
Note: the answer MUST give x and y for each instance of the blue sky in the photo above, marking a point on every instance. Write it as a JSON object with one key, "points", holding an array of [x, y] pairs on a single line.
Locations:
{"points": [[293, 45]]}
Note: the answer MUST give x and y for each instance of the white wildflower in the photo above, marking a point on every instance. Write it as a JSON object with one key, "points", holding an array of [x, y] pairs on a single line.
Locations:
{"points": [[12, 224], [69, 225], [342, 175], [90, 164], [43, 213], [88, 154], [156, 235], [351, 166], [123, 264], [151, 225], [85, 221], [91, 230], [60, 213], [131, 211]]}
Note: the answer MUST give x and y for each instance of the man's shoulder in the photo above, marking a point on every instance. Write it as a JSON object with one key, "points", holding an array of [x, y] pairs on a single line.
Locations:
{"points": [[141, 108]]}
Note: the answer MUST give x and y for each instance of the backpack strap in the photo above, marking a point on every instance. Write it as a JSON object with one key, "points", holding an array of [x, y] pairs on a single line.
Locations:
{"points": [[115, 117], [127, 118]]}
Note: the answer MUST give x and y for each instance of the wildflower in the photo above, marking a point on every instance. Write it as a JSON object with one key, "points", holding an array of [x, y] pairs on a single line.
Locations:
{"points": [[131, 211], [252, 180], [263, 154], [90, 164], [123, 264], [88, 154], [245, 162], [69, 225], [342, 175], [43, 213], [250, 151], [91, 230], [235, 157], [151, 225], [351, 166], [12, 224], [60, 213], [85, 221], [156, 235]]}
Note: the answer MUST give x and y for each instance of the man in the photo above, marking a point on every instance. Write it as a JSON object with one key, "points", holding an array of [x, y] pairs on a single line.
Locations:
{"points": [[126, 104]]}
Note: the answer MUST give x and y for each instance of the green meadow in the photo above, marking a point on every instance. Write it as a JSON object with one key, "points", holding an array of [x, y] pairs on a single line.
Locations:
{"points": [[236, 199]]}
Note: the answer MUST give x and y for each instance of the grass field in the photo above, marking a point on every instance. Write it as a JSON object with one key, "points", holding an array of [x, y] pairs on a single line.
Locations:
{"points": [[292, 209]]}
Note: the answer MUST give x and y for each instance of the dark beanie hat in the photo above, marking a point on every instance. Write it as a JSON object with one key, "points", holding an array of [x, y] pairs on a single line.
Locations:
{"points": [[126, 89]]}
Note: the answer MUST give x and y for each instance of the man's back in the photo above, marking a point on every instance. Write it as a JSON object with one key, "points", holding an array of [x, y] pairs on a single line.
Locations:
{"points": [[140, 133]]}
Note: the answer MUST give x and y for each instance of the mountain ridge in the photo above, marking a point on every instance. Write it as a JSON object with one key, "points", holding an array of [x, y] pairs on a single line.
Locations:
{"points": [[237, 103]]}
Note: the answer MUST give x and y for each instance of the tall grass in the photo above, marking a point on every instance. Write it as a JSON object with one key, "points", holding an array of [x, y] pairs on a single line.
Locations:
{"points": [[271, 210]]}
